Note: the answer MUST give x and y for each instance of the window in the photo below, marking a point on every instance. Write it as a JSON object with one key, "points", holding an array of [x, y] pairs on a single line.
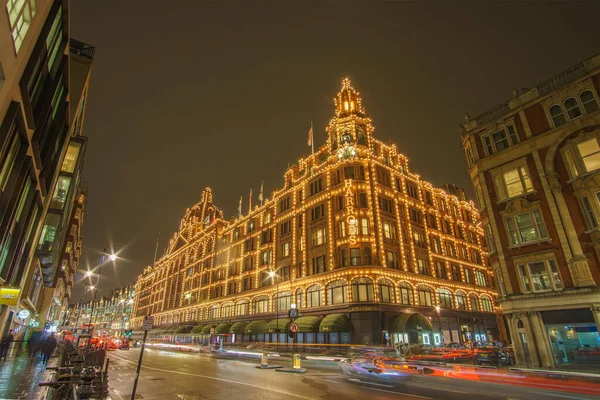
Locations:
{"points": [[392, 259], [242, 308], [556, 113], [71, 156], [423, 267], [284, 204], [512, 183], [486, 304], [267, 236], [343, 259], [590, 154], [469, 154], [313, 296], [285, 227], [54, 39], [461, 300], [362, 200], [474, 300], [588, 212], [500, 140], [261, 305], [412, 190], [589, 101], [285, 249], [316, 186], [445, 297], [362, 290], [337, 292], [540, 276], [318, 212], [282, 301], [389, 231], [385, 205], [526, 227], [318, 265], [418, 239], [318, 237], [490, 239], [251, 225], [440, 269], [480, 278], [60, 192], [342, 229], [415, 216], [20, 13], [406, 293], [364, 226], [572, 107], [49, 232], [386, 291], [355, 257], [425, 296], [226, 311], [299, 298], [435, 244]]}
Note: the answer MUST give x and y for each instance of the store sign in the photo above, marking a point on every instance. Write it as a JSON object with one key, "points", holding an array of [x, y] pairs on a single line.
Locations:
{"points": [[350, 218], [23, 314], [9, 296]]}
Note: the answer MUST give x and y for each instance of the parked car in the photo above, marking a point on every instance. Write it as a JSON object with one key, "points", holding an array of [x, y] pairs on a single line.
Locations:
{"points": [[493, 356], [124, 345]]}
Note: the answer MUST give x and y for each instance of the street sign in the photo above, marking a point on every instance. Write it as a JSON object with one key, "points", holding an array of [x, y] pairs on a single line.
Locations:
{"points": [[294, 327], [293, 313], [148, 322]]}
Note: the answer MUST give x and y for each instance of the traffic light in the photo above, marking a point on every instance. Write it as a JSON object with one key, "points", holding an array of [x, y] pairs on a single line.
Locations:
{"points": [[128, 332]]}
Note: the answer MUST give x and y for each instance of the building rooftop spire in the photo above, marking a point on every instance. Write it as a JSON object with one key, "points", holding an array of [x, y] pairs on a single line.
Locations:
{"points": [[348, 100]]}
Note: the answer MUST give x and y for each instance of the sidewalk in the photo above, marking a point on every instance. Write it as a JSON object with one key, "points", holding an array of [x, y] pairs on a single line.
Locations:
{"points": [[20, 375]]}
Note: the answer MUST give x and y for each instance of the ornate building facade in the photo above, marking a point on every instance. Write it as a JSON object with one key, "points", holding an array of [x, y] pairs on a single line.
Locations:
{"points": [[365, 249], [535, 165]]}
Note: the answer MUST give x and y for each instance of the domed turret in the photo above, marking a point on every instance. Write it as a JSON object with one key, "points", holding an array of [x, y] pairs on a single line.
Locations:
{"points": [[347, 101]]}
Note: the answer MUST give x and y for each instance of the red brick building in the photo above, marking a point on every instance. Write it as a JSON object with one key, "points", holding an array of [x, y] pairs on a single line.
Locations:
{"points": [[535, 165]]}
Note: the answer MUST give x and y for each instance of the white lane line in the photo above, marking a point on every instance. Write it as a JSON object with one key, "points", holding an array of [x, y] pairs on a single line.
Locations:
{"points": [[329, 380], [397, 393], [562, 396], [370, 383], [437, 387], [220, 380]]}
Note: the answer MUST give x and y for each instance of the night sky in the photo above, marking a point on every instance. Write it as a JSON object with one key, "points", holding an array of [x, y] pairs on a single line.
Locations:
{"points": [[186, 95]]}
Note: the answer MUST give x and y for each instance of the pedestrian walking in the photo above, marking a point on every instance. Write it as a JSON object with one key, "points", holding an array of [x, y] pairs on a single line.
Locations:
{"points": [[5, 344], [48, 347]]}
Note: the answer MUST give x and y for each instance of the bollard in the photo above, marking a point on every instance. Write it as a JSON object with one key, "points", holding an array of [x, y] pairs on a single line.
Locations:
{"points": [[297, 361], [264, 360]]}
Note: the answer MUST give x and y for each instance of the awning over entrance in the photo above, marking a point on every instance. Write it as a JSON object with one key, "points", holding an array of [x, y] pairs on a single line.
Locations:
{"points": [[222, 328], [284, 324], [197, 329], [206, 329], [259, 326], [411, 322], [309, 324], [335, 323], [238, 328]]}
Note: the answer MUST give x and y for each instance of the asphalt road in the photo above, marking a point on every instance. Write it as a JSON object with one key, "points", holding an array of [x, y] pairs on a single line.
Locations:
{"points": [[186, 376]]}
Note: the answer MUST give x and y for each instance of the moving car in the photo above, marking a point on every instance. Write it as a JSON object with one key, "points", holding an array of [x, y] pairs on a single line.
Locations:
{"points": [[493, 356]]}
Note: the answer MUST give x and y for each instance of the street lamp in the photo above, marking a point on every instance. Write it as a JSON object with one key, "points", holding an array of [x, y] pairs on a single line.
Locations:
{"points": [[437, 310], [113, 258], [273, 275], [87, 289]]}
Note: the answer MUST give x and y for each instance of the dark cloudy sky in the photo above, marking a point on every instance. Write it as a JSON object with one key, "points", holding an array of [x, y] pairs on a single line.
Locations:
{"points": [[191, 94]]}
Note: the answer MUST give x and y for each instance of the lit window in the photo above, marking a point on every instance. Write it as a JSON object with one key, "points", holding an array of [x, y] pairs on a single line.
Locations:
{"points": [[572, 107], [286, 249], [389, 230], [337, 292], [540, 276], [590, 154], [20, 14], [557, 115], [425, 297], [364, 226], [570, 163], [386, 291], [446, 298], [526, 227], [512, 183], [589, 101], [588, 212], [61, 190], [486, 303], [362, 290], [318, 237]]}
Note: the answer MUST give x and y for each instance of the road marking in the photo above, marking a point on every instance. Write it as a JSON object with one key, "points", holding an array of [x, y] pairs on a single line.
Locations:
{"points": [[562, 396], [329, 380], [437, 387], [369, 383], [219, 379], [397, 393]]}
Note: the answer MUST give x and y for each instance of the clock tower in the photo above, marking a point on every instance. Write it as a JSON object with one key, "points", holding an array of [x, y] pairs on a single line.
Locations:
{"points": [[349, 131]]}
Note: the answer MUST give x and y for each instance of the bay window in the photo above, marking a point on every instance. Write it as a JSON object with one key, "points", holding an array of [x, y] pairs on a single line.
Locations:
{"points": [[513, 182], [590, 154], [500, 140], [526, 227], [540, 276]]}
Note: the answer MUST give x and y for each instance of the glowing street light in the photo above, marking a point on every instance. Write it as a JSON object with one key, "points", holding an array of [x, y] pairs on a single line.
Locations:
{"points": [[112, 257]]}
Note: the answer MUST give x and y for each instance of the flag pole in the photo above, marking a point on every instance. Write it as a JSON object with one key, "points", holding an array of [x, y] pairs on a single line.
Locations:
{"points": [[312, 142]]}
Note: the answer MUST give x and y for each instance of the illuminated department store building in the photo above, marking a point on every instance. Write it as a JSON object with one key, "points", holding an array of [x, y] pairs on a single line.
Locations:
{"points": [[366, 250]]}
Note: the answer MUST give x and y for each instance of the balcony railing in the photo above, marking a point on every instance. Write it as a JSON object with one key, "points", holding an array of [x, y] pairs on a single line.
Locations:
{"points": [[82, 49]]}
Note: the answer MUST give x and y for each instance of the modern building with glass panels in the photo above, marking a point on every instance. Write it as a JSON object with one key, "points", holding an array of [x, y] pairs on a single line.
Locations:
{"points": [[535, 165], [367, 251]]}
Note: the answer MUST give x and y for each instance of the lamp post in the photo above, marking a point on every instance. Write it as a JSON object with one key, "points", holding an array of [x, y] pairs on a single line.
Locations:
{"points": [[273, 275], [112, 258], [87, 289], [437, 310]]}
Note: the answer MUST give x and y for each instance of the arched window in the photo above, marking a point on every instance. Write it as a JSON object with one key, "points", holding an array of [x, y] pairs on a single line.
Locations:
{"points": [[282, 301], [474, 300], [589, 101], [572, 107], [260, 305], [486, 303], [362, 139], [386, 291], [337, 292], [425, 296], [362, 290], [299, 298], [334, 143], [213, 312], [242, 307], [227, 310], [461, 300], [520, 324], [406, 293], [446, 300], [557, 115], [313, 296]]}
